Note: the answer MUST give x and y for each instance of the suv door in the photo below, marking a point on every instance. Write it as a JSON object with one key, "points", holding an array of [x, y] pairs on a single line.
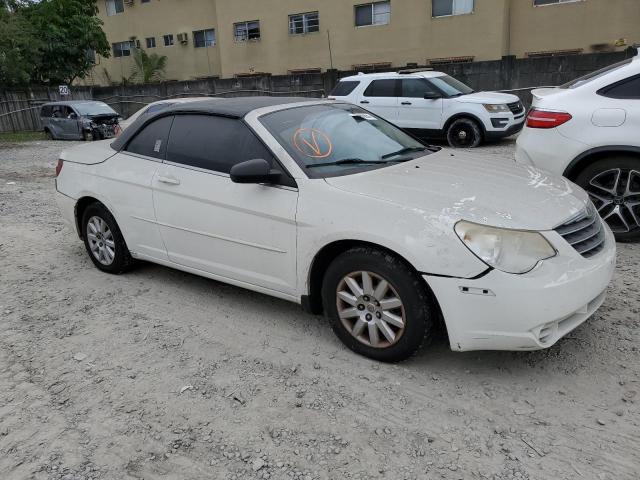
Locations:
{"points": [[381, 98], [243, 233], [416, 112], [70, 123]]}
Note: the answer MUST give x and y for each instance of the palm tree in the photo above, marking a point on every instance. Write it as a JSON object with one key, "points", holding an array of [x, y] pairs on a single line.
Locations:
{"points": [[147, 68]]}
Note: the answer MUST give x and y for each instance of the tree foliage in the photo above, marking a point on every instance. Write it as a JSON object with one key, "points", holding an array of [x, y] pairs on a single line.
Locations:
{"points": [[49, 41], [147, 67]]}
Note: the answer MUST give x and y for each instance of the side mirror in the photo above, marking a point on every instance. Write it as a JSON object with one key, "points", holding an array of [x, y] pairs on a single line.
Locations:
{"points": [[257, 170], [432, 96], [73, 115]]}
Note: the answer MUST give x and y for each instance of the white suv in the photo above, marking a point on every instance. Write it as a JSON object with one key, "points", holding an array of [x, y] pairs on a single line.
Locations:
{"points": [[589, 131], [434, 105]]}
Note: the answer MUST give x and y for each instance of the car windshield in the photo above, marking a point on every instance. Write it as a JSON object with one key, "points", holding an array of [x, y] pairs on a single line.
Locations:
{"points": [[94, 108], [450, 86], [339, 139], [589, 77]]}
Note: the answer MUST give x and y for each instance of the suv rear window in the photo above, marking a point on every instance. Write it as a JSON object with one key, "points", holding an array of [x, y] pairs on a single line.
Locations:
{"points": [[628, 89], [344, 88], [46, 111]]}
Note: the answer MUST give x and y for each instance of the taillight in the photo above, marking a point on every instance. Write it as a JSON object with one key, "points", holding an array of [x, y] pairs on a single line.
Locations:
{"points": [[546, 119], [59, 167]]}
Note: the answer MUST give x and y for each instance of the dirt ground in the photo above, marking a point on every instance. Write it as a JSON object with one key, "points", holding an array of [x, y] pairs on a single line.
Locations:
{"points": [[159, 374]]}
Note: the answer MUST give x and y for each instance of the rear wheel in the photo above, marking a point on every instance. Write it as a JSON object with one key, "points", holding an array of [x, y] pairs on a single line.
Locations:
{"points": [[613, 184], [377, 305], [48, 133], [104, 241], [464, 133]]}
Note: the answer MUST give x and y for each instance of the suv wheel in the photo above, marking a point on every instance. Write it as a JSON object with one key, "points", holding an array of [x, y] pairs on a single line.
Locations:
{"points": [[104, 241], [614, 187], [377, 305], [464, 133]]}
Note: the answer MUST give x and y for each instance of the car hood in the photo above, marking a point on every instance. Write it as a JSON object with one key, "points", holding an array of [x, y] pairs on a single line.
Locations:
{"points": [[488, 97], [448, 186]]}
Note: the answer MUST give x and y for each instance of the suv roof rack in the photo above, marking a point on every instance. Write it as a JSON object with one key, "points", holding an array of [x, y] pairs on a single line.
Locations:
{"points": [[406, 71]]}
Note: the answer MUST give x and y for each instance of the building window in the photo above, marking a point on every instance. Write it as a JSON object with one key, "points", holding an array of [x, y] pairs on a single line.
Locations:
{"points": [[204, 38], [445, 8], [114, 6], [372, 67], [244, 31], [121, 49], [145, 1], [539, 3], [304, 23], [449, 60], [168, 39], [554, 53], [378, 13], [151, 42]]}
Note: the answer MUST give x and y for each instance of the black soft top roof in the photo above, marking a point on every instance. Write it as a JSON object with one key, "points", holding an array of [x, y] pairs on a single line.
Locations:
{"points": [[236, 107]]}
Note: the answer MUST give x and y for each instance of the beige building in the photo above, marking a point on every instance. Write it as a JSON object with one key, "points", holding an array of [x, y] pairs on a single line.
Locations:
{"points": [[227, 38]]}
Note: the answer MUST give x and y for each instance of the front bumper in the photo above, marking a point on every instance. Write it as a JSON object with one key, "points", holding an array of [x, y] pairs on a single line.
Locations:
{"points": [[502, 311], [510, 128]]}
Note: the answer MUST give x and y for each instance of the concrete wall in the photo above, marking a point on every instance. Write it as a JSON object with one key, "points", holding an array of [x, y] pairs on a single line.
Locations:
{"points": [[18, 109]]}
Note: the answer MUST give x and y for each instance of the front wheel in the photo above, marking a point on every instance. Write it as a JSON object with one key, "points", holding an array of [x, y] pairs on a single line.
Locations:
{"points": [[377, 305], [464, 133], [613, 184]]}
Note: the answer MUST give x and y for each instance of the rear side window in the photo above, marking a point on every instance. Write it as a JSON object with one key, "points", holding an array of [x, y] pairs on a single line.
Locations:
{"points": [[624, 89], [344, 88], [382, 88], [213, 143], [152, 140], [46, 111]]}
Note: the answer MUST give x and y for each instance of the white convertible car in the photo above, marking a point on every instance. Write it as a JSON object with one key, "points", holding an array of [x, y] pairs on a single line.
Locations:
{"points": [[325, 204]]}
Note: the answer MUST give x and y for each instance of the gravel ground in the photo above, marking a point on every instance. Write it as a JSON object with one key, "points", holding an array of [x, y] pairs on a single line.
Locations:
{"points": [[159, 374]]}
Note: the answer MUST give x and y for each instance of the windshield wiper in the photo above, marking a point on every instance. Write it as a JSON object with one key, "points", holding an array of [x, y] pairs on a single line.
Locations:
{"points": [[357, 161], [404, 150]]}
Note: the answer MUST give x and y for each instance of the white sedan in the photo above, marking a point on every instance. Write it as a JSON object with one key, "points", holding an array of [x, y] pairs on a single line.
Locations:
{"points": [[324, 204]]}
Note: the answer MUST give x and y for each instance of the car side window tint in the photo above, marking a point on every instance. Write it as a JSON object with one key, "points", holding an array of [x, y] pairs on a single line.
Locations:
{"points": [[416, 88], [214, 143], [381, 88], [151, 141], [625, 89]]}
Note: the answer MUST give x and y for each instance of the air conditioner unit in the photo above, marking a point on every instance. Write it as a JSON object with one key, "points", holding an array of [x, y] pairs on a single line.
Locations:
{"points": [[183, 38]]}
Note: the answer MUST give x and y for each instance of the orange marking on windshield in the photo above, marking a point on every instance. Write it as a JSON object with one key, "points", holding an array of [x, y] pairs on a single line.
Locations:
{"points": [[312, 143]]}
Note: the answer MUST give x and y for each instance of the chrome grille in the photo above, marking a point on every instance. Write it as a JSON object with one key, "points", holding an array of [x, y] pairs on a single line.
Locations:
{"points": [[585, 232], [516, 107]]}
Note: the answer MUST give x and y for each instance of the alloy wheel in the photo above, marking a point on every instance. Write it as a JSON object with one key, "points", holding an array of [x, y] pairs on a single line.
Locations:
{"points": [[100, 240], [616, 195], [370, 309]]}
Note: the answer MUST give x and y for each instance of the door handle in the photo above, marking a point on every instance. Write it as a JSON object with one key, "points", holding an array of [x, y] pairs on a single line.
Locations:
{"points": [[169, 180], [364, 101], [406, 103]]}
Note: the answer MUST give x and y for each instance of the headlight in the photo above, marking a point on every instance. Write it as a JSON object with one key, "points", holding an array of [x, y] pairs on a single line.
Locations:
{"points": [[512, 251], [491, 108]]}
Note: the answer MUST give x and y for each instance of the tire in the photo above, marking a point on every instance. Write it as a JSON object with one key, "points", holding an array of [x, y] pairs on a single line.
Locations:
{"points": [[87, 136], [417, 310], [49, 135], [622, 209], [464, 133], [115, 259]]}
